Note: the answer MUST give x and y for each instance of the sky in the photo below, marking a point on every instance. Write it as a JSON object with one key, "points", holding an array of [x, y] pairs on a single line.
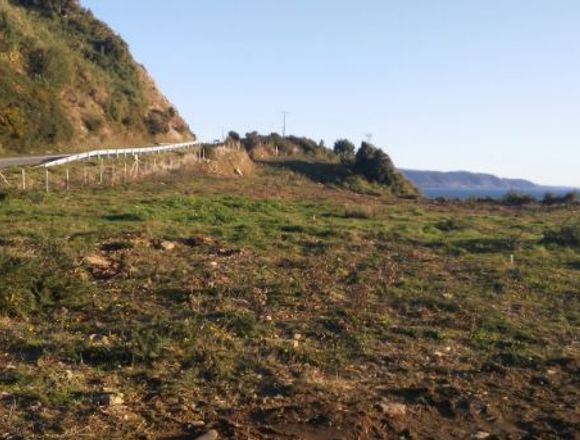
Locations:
{"points": [[478, 85]]}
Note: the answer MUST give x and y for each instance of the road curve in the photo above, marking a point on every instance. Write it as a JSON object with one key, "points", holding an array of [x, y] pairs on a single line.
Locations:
{"points": [[28, 160]]}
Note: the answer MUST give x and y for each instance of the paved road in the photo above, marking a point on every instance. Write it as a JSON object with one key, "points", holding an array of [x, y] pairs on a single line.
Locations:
{"points": [[28, 160]]}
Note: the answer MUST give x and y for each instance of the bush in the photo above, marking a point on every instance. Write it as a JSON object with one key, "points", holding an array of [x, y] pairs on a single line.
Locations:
{"points": [[7, 33], [517, 199], [450, 224], [553, 199], [344, 149], [157, 122], [93, 123], [376, 166], [567, 235], [49, 7]]}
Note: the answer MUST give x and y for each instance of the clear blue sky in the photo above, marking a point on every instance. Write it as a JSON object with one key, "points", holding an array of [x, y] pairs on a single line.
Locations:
{"points": [[479, 85]]}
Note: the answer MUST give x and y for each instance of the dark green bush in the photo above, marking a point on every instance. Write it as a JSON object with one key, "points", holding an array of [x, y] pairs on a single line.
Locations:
{"points": [[234, 136], [376, 166], [49, 7], [157, 122], [517, 199], [567, 235], [553, 199], [344, 149]]}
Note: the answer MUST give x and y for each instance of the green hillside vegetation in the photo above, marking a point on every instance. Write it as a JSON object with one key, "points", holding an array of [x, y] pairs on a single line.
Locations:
{"points": [[67, 81], [369, 170]]}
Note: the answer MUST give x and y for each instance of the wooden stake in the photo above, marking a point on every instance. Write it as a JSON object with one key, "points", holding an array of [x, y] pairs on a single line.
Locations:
{"points": [[125, 170], [23, 179], [67, 179], [46, 180], [101, 170]]}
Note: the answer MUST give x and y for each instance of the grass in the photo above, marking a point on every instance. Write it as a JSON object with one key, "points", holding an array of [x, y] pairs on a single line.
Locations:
{"points": [[277, 293]]}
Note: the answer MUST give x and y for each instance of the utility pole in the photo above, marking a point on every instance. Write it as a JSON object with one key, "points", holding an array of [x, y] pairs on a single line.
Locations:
{"points": [[284, 114], [369, 137]]}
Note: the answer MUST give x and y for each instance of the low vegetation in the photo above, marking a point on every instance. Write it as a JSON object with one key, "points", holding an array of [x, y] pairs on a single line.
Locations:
{"points": [[273, 306]]}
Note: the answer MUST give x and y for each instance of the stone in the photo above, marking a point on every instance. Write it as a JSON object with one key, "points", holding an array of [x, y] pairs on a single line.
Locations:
{"points": [[108, 399], [482, 435], [98, 261], [393, 409], [167, 245], [210, 435]]}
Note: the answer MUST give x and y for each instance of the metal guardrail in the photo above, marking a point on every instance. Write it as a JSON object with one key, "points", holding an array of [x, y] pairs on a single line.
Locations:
{"points": [[121, 152]]}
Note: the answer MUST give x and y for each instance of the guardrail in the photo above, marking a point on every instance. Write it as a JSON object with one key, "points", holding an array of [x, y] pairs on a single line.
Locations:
{"points": [[121, 152]]}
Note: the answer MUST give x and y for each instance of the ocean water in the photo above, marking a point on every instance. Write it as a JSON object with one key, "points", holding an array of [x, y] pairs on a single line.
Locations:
{"points": [[452, 193]]}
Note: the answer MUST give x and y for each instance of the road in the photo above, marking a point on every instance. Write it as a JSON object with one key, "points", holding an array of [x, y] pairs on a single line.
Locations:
{"points": [[28, 160]]}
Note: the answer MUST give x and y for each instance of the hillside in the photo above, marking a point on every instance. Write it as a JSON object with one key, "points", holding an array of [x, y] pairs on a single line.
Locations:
{"points": [[465, 180], [68, 82], [370, 170]]}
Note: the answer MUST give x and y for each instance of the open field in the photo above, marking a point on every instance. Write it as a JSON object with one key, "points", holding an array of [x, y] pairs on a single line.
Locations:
{"points": [[273, 307]]}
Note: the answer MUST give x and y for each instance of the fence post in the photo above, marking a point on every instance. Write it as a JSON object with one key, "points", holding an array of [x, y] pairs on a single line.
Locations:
{"points": [[113, 175], [46, 180], [101, 173], [23, 179], [4, 179], [67, 179]]}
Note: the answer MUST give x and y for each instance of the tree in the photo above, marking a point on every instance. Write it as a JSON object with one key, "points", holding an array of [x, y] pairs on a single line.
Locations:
{"points": [[344, 149], [376, 166], [234, 136]]}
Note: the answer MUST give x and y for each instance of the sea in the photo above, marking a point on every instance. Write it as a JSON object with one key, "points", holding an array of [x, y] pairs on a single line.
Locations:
{"points": [[462, 194]]}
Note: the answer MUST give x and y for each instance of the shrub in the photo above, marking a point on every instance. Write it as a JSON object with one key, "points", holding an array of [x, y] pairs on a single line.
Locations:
{"points": [[376, 166], [157, 122], [553, 199], [450, 224], [344, 149], [567, 235], [93, 123], [517, 199], [234, 136], [49, 7]]}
